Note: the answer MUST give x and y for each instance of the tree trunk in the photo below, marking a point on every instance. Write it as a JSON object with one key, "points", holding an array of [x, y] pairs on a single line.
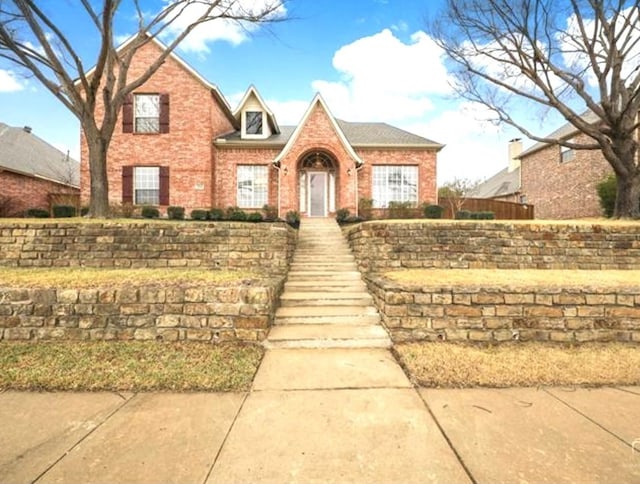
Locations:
{"points": [[628, 196], [99, 201]]}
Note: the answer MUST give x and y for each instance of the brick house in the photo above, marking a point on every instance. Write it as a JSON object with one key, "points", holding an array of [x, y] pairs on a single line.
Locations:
{"points": [[561, 182], [33, 173], [506, 184], [180, 143]]}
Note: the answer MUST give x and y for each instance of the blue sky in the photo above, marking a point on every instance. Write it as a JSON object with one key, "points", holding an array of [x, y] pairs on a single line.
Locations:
{"points": [[370, 59]]}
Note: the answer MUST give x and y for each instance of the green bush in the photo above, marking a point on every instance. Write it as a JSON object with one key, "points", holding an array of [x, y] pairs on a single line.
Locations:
{"points": [[255, 217], [400, 210], [432, 211], [342, 214], [150, 212], [84, 211], [236, 214], [270, 213], [175, 213], [463, 215], [293, 219], [64, 211], [37, 213], [607, 193], [216, 214], [365, 208], [199, 214], [353, 220], [487, 216]]}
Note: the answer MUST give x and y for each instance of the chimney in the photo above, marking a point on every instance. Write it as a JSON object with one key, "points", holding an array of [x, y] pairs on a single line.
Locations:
{"points": [[515, 148], [27, 129]]}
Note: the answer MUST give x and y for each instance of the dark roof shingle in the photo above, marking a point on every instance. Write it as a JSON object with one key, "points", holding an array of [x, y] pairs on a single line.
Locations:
{"points": [[23, 152]]}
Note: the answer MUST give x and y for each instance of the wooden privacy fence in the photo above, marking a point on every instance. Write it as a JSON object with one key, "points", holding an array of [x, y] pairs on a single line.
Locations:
{"points": [[502, 210]]}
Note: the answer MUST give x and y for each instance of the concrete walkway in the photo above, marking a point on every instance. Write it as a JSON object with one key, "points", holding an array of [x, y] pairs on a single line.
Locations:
{"points": [[329, 404]]}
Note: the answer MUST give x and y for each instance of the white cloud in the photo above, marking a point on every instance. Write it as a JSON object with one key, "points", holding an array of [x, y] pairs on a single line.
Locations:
{"points": [[384, 78], [9, 82], [219, 29], [475, 147], [288, 112]]}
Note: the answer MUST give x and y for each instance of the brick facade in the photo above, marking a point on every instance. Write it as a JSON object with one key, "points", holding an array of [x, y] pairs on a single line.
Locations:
{"points": [[28, 192], [563, 190], [202, 172]]}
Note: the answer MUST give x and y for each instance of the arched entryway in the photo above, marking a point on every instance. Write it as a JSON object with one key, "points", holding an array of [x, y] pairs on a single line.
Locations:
{"points": [[317, 178]]}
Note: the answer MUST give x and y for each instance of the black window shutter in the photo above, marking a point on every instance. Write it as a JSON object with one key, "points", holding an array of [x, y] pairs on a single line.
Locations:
{"points": [[164, 113], [127, 184], [164, 185], [127, 114]]}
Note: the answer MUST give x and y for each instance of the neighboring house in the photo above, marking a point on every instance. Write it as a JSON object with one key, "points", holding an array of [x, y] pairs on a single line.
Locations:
{"points": [[560, 182], [32, 171], [504, 185], [179, 143]]}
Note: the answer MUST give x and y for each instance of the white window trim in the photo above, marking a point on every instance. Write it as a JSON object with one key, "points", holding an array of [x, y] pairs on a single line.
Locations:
{"points": [[246, 135], [385, 203], [137, 170], [567, 154], [252, 205], [135, 117]]}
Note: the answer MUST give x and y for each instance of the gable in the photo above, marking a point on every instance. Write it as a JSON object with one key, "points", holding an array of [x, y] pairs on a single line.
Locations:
{"points": [[318, 127]]}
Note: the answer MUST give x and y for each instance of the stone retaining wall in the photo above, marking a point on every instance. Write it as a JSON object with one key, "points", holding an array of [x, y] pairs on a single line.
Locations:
{"points": [[266, 248], [381, 246], [229, 311], [475, 313]]}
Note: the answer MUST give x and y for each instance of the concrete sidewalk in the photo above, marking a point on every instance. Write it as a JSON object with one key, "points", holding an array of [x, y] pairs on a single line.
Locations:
{"points": [[348, 425]]}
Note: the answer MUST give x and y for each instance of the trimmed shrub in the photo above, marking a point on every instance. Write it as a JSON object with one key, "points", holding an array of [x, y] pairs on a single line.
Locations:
{"points": [[216, 214], [607, 189], [198, 214], [353, 220], [124, 210], [342, 214], [84, 211], [175, 213], [463, 215], [236, 214], [37, 213], [365, 208], [487, 216], [400, 210], [64, 211], [432, 211], [150, 212], [293, 219], [270, 213], [255, 217]]}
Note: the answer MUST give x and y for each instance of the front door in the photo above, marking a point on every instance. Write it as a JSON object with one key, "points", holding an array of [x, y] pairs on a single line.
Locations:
{"points": [[317, 194]]}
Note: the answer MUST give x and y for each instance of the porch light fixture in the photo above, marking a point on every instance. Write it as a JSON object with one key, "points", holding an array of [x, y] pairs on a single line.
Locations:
{"points": [[285, 171], [349, 171]]}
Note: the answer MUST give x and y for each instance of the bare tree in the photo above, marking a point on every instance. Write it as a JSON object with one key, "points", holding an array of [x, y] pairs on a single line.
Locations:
{"points": [[579, 58], [31, 39], [454, 193]]}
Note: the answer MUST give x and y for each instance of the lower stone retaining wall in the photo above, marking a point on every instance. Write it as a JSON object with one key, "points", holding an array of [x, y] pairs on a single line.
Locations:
{"points": [[229, 311], [264, 247], [473, 313], [379, 246]]}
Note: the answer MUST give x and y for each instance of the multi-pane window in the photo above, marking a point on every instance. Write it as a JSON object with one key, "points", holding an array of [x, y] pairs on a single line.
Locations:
{"points": [[253, 120], [146, 185], [566, 154], [252, 186], [147, 113], [394, 184]]}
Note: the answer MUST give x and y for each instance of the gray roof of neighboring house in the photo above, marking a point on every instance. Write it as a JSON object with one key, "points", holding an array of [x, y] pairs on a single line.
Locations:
{"points": [[564, 131], [23, 152], [358, 134], [501, 184]]}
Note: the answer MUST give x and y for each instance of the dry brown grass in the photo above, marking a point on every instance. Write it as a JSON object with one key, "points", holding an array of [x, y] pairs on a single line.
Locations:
{"points": [[515, 277], [85, 277], [127, 366], [453, 365]]}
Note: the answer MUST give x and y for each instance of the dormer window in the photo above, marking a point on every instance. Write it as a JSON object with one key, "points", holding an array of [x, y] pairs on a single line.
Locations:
{"points": [[253, 123]]}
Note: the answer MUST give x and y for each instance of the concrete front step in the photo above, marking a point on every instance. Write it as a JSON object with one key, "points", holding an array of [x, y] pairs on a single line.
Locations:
{"points": [[342, 275], [291, 303], [337, 268], [328, 336], [330, 310], [349, 320], [333, 257], [298, 287]]}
